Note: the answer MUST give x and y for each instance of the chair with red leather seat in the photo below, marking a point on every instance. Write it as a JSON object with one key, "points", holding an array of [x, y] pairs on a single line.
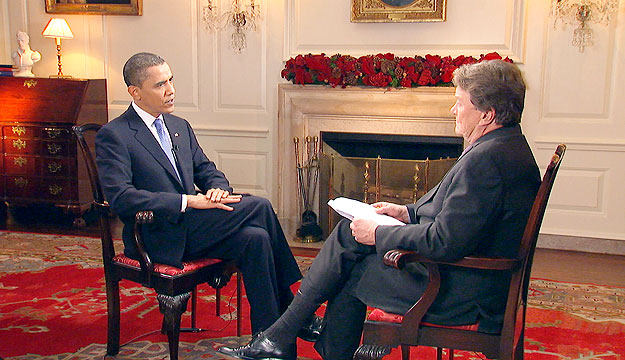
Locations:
{"points": [[383, 331], [173, 286]]}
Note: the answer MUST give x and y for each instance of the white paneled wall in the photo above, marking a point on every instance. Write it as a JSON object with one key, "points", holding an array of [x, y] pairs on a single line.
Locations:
{"points": [[231, 100]]}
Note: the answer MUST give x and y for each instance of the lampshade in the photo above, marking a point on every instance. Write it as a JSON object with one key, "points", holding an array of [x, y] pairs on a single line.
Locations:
{"points": [[57, 28]]}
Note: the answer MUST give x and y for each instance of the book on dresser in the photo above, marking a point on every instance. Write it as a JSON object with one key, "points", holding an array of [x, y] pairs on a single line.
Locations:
{"points": [[40, 160]]}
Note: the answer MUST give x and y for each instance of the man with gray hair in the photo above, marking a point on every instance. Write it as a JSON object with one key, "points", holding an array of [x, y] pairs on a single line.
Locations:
{"points": [[481, 207], [149, 159]]}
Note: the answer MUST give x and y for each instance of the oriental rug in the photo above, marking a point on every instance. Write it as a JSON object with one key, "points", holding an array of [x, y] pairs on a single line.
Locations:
{"points": [[53, 307]]}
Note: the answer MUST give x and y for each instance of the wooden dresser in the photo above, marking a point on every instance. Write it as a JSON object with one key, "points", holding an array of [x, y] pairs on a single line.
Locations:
{"points": [[40, 163]]}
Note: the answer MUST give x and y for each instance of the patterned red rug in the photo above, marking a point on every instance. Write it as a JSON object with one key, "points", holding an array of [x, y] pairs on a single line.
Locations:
{"points": [[53, 306]]}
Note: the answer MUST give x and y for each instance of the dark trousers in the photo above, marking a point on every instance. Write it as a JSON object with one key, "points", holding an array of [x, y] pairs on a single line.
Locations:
{"points": [[251, 235], [332, 277]]}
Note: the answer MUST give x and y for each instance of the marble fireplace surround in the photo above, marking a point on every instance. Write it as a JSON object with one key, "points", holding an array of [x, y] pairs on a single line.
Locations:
{"points": [[310, 109]]}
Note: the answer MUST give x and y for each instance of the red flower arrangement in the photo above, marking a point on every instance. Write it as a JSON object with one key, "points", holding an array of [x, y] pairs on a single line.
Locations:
{"points": [[382, 70]]}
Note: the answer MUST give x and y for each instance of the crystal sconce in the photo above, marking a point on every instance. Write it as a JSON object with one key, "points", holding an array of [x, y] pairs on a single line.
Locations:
{"points": [[241, 16], [582, 12]]}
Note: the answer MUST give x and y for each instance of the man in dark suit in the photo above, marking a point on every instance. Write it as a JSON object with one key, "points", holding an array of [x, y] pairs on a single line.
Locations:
{"points": [[149, 159], [481, 207]]}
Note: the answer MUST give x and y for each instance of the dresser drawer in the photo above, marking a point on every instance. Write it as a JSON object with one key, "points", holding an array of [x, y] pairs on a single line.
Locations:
{"points": [[37, 147], [34, 165], [57, 189], [22, 165], [21, 186], [20, 131], [58, 167], [37, 132], [44, 188]]}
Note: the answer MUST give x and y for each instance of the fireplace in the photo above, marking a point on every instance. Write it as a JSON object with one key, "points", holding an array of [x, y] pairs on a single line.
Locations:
{"points": [[381, 167], [405, 115]]}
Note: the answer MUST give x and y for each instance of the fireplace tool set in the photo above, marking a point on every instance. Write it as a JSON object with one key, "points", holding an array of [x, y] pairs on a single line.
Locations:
{"points": [[307, 167]]}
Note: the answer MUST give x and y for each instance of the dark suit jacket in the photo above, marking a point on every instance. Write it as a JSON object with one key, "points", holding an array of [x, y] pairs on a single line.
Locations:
{"points": [[136, 175], [480, 207]]}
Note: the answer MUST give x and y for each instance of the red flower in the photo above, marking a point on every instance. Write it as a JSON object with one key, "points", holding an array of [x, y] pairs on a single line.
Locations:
{"points": [[300, 61], [380, 80], [433, 60], [387, 56], [406, 82], [303, 77], [490, 56], [368, 66], [425, 78]]}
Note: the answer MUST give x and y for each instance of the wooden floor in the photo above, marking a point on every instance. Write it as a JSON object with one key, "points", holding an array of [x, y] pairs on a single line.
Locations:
{"points": [[557, 265]]}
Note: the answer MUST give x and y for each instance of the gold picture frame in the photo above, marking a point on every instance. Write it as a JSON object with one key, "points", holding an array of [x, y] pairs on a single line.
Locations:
{"points": [[95, 7], [398, 10]]}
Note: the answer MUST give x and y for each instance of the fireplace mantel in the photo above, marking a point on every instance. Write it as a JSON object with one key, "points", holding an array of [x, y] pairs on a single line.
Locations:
{"points": [[308, 110]]}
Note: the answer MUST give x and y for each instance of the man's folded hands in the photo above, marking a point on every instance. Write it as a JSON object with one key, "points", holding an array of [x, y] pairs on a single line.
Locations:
{"points": [[213, 199]]}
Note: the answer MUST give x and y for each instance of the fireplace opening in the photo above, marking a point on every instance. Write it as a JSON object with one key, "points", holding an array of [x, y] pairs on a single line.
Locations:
{"points": [[406, 147], [381, 167]]}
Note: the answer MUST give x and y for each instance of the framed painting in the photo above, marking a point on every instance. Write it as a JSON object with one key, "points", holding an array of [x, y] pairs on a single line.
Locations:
{"points": [[398, 10], [95, 7]]}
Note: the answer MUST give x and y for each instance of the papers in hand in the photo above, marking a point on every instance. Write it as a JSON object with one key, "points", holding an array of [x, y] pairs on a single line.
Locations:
{"points": [[351, 208]]}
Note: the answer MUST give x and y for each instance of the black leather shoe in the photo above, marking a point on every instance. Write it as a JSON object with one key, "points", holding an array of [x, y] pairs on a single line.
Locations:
{"points": [[260, 348], [310, 332]]}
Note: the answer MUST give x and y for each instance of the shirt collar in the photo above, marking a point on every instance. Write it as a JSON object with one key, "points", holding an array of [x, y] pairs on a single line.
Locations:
{"points": [[144, 115]]}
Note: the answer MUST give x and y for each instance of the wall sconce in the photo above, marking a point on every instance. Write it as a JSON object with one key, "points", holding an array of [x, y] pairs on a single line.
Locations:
{"points": [[582, 12], [58, 29], [241, 17]]}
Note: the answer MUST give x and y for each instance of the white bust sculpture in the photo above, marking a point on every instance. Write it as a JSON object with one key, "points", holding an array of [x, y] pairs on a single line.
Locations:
{"points": [[24, 57]]}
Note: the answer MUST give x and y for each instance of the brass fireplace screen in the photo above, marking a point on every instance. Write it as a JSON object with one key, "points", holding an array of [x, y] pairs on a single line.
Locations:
{"points": [[375, 179]]}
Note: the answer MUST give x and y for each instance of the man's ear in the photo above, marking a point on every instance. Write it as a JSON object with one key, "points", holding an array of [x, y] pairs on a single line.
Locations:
{"points": [[488, 117], [134, 92]]}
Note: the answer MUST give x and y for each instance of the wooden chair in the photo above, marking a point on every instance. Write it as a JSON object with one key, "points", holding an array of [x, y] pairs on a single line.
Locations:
{"points": [[173, 286], [383, 331]]}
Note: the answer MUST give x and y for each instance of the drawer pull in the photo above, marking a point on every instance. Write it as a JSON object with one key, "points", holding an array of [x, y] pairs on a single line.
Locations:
{"points": [[54, 167], [54, 148], [18, 130], [30, 83], [53, 133], [19, 143], [20, 161], [55, 189], [21, 182]]}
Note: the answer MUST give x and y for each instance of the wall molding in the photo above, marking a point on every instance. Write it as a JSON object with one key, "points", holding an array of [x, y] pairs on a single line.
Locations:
{"points": [[584, 244], [259, 133], [578, 144], [602, 116], [513, 44], [5, 40], [218, 55]]}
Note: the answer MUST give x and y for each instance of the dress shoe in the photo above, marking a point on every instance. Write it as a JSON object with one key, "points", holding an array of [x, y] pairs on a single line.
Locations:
{"points": [[310, 332], [260, 348]]}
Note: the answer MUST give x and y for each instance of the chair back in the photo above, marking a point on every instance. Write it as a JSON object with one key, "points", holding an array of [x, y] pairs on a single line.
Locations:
{"points": [[85, 135], [514, 318]]}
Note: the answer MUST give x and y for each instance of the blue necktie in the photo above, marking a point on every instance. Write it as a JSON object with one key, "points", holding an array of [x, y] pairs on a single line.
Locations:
{"points": [[165, 144]]}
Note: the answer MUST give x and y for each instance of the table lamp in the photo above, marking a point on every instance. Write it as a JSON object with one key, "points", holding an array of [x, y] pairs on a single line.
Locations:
{"points": [[58, 29]]}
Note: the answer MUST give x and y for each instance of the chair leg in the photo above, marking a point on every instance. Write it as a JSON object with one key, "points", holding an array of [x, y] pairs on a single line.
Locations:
{"points": [[238, 303], [113, 309], [218, 302], [405, 352], [439, 354], [172, 308], [194, 308], [193, 328]]}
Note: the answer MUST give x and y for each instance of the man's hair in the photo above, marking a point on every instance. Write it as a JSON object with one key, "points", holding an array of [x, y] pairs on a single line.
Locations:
{"points": [[494, 84], [136, 68]]}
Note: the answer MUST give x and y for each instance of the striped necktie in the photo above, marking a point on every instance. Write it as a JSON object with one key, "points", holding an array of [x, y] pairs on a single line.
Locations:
{"points": [[165, 144]]}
